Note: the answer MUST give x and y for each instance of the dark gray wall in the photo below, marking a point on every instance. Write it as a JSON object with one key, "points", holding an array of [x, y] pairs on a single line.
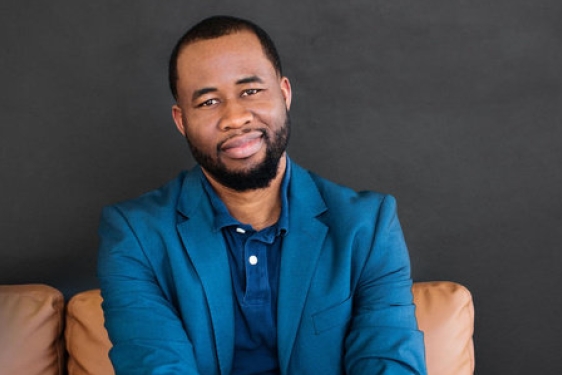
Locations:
{"points": [[455, 107]]}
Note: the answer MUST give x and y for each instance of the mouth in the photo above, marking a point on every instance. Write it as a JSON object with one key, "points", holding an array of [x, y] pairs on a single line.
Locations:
{"points": [[242, 146]]}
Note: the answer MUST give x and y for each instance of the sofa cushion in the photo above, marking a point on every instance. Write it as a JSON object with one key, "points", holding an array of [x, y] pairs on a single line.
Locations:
{"points": [[87, 342], [445, 313], [31, 324]]}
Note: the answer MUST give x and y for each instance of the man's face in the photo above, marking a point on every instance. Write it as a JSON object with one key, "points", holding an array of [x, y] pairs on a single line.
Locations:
{"points": [[233, 109]]}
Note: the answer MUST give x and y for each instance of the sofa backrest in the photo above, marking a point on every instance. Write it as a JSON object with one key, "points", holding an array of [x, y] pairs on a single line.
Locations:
{"points": [[31, 330], [31, 326]]}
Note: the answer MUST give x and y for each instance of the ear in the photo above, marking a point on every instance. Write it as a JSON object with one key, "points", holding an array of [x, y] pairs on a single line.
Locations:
{"points": [[178, 119], [286, 91]]}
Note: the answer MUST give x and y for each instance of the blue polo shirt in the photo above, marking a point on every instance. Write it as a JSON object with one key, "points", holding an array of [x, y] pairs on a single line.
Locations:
{"points": [[254, 258]]}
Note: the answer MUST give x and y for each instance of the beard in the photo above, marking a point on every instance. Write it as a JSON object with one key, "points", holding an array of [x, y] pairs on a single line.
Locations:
{"points": [[257, 177]]}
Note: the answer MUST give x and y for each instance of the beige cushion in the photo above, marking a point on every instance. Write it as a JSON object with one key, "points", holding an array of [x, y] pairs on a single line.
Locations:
{"points": [[87, 342], [31, 323], [444, 310], [445, 313]]}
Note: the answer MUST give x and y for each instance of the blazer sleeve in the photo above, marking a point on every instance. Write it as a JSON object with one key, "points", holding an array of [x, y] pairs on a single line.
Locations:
{"points": [[143, 325], [384, 337]]}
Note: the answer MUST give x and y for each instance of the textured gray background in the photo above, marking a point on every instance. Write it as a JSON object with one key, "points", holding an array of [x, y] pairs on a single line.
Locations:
{"points": [[455, 107]]}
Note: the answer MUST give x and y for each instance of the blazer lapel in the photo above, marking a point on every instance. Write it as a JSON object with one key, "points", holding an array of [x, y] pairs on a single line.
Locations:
{"points": [[207, 251], [301, 249]]}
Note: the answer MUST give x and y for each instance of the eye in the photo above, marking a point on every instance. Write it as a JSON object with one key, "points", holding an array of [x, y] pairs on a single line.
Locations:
{"points": [[208, 103], [249, 92]]}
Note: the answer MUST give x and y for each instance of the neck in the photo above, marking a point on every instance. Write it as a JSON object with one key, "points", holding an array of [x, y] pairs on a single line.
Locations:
{"points": [[259, 208]]}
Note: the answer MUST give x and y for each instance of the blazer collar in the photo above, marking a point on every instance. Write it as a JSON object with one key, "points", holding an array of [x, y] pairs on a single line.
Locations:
{"points": [[191, 193]]}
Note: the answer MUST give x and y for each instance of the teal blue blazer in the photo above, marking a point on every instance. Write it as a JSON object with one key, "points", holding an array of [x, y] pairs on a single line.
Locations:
{"points": [[344, 305]]}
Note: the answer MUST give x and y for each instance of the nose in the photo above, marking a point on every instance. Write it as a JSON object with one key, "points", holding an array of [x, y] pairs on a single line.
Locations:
{"points": [[235, 115]]}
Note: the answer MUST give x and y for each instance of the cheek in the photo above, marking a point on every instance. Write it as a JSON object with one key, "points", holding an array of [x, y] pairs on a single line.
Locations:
{"points": [[199, 130], [272, 114], [201, 139]]}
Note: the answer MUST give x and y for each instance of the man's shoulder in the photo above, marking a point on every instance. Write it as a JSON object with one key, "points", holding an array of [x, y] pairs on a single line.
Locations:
{"points": [[353, 214], [155, 202], [338, 195], [342, 202]]}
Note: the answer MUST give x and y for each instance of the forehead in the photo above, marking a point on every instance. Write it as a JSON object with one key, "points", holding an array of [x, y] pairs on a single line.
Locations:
{"points": [[228, 56]]}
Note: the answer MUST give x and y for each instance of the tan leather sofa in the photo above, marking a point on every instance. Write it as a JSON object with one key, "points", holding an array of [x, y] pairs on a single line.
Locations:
{"points": [[41, 335]]}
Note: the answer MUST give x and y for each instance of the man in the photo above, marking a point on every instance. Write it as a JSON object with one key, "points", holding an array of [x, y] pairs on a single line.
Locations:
{"points": [[249, 264]]}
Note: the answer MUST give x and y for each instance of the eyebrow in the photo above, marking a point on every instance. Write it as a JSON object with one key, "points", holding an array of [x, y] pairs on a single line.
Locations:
{"points": [[251, 79], [205, 90], [199, 93]]}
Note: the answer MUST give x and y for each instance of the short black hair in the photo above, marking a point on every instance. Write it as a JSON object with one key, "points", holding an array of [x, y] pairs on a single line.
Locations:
{"points": [[215, 27]]}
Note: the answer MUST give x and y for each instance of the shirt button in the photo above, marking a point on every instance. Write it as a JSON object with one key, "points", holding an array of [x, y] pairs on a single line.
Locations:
{"points": [[253, 260]]}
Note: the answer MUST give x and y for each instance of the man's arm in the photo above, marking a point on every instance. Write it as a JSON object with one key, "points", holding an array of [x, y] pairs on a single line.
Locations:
{"points": [[147, 334], [384, 337]]}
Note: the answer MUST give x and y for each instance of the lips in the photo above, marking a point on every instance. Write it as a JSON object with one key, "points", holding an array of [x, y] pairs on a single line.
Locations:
{"points": [[243, 145]]}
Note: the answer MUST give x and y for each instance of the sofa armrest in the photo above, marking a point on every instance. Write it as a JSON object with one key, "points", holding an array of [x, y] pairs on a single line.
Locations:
{"points": [[31, 325], [445, 314], [87, 342]]}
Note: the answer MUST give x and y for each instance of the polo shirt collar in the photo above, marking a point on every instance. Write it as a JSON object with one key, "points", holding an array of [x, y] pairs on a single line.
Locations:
{"points": [[223, 218]]}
